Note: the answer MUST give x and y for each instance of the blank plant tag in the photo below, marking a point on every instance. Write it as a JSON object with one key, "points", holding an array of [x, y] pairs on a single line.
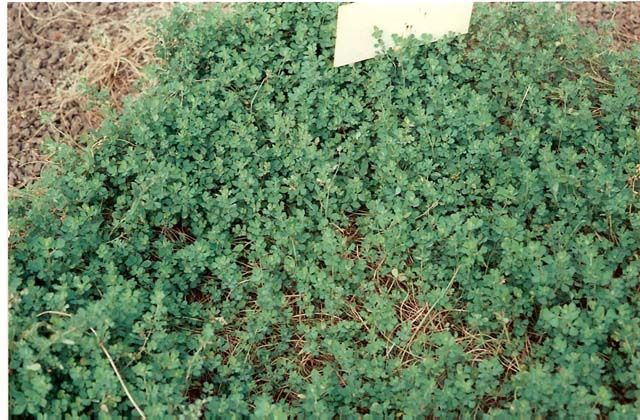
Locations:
{"points": [[356, 23]]}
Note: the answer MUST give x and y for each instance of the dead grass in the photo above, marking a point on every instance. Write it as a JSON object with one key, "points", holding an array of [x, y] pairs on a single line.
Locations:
{"points": [[110, 59], [632, 180], [119, 49]]}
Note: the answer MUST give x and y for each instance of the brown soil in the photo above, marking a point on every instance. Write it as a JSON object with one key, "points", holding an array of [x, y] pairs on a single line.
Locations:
{"points": [[52, 46], [626, 16]]}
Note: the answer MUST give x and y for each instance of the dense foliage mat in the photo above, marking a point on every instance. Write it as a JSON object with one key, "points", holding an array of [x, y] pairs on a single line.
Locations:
{"points": [[448, 228]]}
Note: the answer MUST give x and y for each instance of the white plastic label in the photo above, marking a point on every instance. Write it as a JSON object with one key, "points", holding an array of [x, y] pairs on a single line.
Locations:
{"points": [[356, 23]]}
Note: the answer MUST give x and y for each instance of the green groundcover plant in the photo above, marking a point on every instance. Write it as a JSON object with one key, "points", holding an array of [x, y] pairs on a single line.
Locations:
{"points": [[447, 229]]}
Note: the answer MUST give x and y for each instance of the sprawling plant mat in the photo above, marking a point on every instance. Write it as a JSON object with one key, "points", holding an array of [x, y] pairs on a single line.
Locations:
{"points": [[449, 228]]}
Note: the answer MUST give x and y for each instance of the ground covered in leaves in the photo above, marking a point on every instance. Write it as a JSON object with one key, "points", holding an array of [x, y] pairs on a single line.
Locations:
{"points": [[447, 229], [55, 47]]}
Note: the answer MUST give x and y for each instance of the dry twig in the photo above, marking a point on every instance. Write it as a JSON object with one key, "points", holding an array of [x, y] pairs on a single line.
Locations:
{"points": [[111, 362]]}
